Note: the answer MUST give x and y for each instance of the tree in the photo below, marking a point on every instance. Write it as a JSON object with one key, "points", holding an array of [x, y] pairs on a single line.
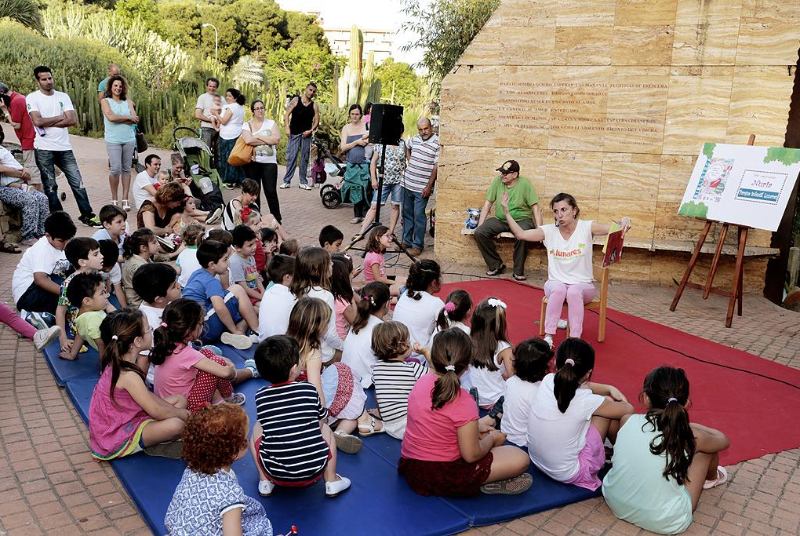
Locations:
{"points": [[444, 29], [231, 33], [399, 83], [26, 12], [181, 24], [264, 24], [302, 29], [147, 10], [295, 66]]}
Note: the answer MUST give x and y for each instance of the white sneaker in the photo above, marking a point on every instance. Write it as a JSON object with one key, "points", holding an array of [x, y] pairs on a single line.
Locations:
{"points": [[305, 187], [333, 489], [253, 338], [284, 186], [214, 217], [265, 488], [562, 324], [549, 340], [43, 337], [240, 342]]}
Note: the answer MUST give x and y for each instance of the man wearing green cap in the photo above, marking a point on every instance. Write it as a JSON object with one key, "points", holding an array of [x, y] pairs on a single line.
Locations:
{"points": [[524, 209]]}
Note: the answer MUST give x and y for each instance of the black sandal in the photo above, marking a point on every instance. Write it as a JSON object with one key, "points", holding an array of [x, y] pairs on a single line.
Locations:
{"points": [[7, 247], [497, 271]]}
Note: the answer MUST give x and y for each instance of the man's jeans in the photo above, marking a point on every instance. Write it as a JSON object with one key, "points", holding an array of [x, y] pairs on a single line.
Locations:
{"points": [[65, 160], [211, 137], [414, 219], [297, 143]]}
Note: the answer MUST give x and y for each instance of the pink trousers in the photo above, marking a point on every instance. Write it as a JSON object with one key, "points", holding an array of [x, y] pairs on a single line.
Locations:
{"points": [[10, 318], [576, 295]]}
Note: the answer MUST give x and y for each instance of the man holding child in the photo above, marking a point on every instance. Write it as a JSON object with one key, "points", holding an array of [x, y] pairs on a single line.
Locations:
{"points": [[523, 207]]}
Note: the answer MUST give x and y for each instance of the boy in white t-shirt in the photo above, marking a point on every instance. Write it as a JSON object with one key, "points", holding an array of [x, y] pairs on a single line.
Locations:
{"points": [[144, 185], [36, 283], [52, 113], [274, 320], [243, 270], [113, 219], [112, 274]]}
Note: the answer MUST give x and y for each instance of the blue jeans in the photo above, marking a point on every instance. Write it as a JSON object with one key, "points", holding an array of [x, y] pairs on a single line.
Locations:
{"points": [[65, 160], [297, 143], [414, 219]]}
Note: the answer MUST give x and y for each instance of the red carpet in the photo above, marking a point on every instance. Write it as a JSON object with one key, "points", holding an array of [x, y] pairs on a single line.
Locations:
{"points": [[759, 414]]}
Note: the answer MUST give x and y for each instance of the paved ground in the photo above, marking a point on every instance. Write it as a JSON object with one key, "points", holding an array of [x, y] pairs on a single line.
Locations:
{"points": [[50, 485]]}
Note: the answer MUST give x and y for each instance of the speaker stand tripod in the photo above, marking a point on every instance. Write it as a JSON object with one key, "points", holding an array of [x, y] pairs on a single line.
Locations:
{"points": [[377, 221]]}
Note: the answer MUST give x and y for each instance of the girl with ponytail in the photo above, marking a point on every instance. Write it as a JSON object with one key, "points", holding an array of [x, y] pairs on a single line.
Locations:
{"points": [[662, 462], [124, 416], [456, 311], [493, 358], [357, 353], [446, 450], [418, 308], [572, 417]]}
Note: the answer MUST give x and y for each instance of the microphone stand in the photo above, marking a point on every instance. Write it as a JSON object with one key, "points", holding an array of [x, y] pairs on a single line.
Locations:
{"points": [[377, 220]]}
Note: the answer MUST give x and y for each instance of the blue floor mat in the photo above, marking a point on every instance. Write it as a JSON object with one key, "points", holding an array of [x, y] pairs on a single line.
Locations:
{"points": [[86, 366], [376, 485]]}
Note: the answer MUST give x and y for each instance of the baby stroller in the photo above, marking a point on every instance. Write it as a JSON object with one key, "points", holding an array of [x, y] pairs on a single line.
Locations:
{"points": [[196, 155], [320, 170]]}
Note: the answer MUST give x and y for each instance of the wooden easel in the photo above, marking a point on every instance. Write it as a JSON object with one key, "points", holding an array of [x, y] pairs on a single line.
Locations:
{"points": [[738, 275]]}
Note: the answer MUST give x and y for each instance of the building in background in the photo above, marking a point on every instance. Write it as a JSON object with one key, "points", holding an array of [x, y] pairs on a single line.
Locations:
{"points": [[377, 41]]}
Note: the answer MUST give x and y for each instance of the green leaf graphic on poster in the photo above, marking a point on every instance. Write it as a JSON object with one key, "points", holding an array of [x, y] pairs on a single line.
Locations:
{"points": [[693, 210], [785, 156], [708, 149]]}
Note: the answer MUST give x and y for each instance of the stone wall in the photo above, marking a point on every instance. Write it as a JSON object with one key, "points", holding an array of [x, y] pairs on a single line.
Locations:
{"points": [[611, 101]]}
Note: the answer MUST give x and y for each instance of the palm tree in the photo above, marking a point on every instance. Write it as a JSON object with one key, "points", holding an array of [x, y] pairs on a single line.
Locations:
{"points": [[26, 12]]}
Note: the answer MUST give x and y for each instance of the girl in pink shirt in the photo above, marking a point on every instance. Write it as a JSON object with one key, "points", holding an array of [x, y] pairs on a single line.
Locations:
{"points": [[201, 375], [344, 300], [124, 416], [374, 266], [446, 451]]}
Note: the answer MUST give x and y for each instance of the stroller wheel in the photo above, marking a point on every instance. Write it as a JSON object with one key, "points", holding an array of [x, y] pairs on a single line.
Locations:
{"points": [[325, 189], [331, 199]]}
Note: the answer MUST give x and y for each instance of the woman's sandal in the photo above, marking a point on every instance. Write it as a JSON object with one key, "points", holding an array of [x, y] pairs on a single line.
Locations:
{"points": [[366, 430], [8, 247], [512, 486], [722, 477]]}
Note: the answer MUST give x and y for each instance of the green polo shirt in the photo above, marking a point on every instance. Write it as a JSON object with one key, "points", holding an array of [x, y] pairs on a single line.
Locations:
{"points": [[521, 197]]}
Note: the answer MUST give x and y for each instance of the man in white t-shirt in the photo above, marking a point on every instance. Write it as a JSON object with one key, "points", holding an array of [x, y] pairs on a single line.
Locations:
{"points": [[52, 113], [202, 111], [144, 185]]}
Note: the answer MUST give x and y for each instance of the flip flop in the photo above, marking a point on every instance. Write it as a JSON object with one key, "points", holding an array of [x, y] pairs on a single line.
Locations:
{"points": [[370, 428], [519, 277], [497, 271], [512, 486], [8, 247]]}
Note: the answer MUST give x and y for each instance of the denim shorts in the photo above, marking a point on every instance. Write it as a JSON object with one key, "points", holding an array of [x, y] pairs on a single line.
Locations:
{"points": [[395, 189]]}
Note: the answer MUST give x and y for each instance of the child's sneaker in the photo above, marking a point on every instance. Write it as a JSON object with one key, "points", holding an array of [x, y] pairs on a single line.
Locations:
{"points": [[349, 444], [250, 364], [237, 398], [562, 324], [43, 337], [265, 488], [34, 319], [337, 487], [254, 338], [240, 342], [549, 340]]}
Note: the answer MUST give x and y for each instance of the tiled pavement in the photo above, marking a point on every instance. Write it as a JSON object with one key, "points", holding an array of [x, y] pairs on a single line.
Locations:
{"points": [[50, 485]]}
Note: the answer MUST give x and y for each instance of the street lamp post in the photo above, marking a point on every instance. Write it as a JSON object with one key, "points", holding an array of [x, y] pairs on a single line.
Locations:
{"points": [[216, 40]]}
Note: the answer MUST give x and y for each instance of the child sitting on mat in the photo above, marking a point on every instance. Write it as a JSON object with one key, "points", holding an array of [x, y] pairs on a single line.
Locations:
{"points": [[291, 444], [83, 254], [344, 301], [307, 325], [138, 250], [124, 416], [445, 451], [243, 270], [201, 376], [87, 292], [228, 314], [493, 361], [418, 308], [571, 418], [374, 266], [274, 320], [531, 363], [357, 353], [457, 310], [209, 499], [394, 376], [662, 462]]}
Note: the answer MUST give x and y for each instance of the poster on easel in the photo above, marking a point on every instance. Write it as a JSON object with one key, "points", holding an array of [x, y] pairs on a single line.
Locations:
{"points": [[741, 184]]}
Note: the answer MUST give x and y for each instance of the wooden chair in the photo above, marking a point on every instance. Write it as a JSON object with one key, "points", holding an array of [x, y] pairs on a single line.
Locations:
{"points": [[599, 303]]}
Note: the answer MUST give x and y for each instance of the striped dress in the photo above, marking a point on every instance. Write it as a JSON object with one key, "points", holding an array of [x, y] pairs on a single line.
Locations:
{"points": [[292, 448]]}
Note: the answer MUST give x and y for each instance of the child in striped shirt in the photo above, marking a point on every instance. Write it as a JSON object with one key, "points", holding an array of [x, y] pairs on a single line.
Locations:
{"points": [[291, 444], [395, 377]]}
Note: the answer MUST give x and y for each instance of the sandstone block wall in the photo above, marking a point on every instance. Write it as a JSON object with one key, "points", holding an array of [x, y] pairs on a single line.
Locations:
{"points": [[611, 101]]}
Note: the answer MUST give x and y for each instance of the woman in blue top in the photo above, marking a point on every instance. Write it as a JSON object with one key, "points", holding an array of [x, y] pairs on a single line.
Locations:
{"points": [[120, 119], [662, 462], [356, 176]]}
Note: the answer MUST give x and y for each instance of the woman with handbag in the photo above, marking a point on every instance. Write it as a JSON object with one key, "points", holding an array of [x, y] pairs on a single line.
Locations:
{"points": [[230, 118], [120, 120], [262, 135]]}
